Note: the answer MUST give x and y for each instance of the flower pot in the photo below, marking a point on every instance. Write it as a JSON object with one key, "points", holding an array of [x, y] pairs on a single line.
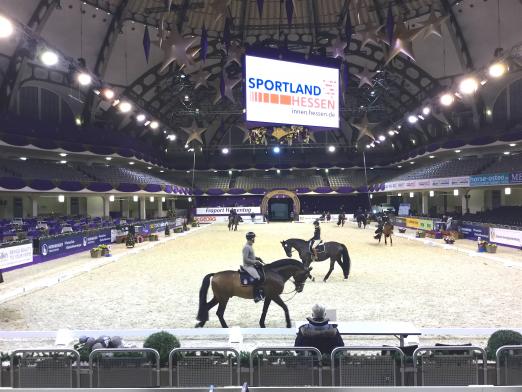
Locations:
{"points": [[96, 253], [491, 249]]}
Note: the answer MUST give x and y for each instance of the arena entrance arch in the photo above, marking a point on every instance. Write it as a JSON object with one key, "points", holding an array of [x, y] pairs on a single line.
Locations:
{"points": [[284, 193]]}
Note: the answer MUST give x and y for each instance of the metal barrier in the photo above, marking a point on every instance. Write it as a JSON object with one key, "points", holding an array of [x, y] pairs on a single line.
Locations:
{"points": [[460, 367], [509, 359], [286, 366], [367, 370], [124, 367], [45, 368], [201, 367]]}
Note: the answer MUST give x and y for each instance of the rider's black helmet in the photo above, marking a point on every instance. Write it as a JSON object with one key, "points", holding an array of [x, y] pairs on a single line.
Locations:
{"points": [[250, 236], [316, 223]]}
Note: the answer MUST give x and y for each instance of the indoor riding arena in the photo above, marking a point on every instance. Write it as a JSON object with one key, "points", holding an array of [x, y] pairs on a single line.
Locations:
{"points": [[241, 194]]}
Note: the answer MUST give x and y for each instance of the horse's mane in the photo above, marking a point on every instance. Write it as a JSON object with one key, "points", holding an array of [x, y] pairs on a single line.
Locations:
{"points": [[284, 263]]}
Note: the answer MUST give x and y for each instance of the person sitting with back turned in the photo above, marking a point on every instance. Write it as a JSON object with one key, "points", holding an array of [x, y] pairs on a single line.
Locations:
{"points": [[318, 333]]}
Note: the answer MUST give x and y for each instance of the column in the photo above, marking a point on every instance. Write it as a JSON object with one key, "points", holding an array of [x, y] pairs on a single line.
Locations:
{"points": [[34, 206], [159, 206], [424, 207], [124, 205], [67, 206], [106, 206], [143, 207]]}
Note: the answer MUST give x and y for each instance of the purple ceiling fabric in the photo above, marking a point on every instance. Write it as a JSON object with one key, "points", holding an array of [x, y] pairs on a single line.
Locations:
{"points": [[42, 185], [345, 189], [12, 183], [153, 188], [73, 147], [362, 189], [303, 190], [236, 191], [168, 188], [15, 140], [258, 191], [198, 192], [323, 189], [99, 187], [215, 191], [46, 144], [70, 186], [453, 144], [126, 187]]}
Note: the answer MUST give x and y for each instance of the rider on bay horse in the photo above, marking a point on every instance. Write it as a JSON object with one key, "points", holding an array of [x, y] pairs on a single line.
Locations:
{"points": [[315, 240], [250, 262]]}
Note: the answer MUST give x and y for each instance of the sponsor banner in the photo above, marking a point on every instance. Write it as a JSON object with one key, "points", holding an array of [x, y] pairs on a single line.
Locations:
{"points": [[449, 182], [472, 232], [506, 237], [425, 224], [11, 256], [412, 222], [226, 210], [489, 179], [206, 219], [515, 178], [52, 247]]}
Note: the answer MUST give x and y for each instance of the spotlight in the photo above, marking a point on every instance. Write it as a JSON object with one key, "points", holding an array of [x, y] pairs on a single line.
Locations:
{"points": [[6, 27], [391, 132], [151, 199], [63, 154], [61, 198], [84, 79], [154, 125], [135, 198], [489, 112], [455, 192], [125, 107], [140, 118], [326, 170], [63, 162], [331, 148], [163, 199], [399, 194], [412, 194], [512, 144], [108, 93], [23, 158], [131, 163], [108, 158], [412, 163], [278, 171], [111, 198], [225, 151], [49, 58], [171, 137], [432, 193], [147, 123], [276, 150], [432, 156], [507, 191], [468, 86], [371, 196], [497, 69], [382, 138], [412, 119], [400, 166], [506, 152], [162, 171], [457, 151], [190, 199], [426, 110], [187, 98], [368, 146], [149, 167], [230, 172], [78, 120], [447, 99]]}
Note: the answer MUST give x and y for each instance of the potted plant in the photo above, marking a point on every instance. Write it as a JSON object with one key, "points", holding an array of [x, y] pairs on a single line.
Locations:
{"points": [[105, 250], [153, 237], [420, 234], [163, 342], [130, 241], [167, 230], [96, 252], [178, 230], [195, 223], [502, 337], [491, 248]]}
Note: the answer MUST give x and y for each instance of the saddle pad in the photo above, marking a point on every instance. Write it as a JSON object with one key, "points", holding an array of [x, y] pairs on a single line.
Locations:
{"points": [[320, 248], [245, 278]]}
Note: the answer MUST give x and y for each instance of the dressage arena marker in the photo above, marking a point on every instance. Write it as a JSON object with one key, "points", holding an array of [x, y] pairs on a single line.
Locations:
{"points": [[91, 265]]}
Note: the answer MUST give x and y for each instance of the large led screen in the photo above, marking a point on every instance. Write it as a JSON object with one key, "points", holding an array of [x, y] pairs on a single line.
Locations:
{"points": [[282, 92]]}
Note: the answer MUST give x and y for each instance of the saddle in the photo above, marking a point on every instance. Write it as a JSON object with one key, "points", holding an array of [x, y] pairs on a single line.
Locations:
{"points": [[247, 280], [320, 248]]}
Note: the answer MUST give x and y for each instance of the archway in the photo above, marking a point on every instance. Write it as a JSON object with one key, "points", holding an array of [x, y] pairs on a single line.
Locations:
{"points": [[281, 193]]}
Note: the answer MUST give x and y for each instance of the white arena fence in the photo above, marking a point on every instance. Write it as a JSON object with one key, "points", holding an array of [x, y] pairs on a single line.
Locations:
{"points": [[347, 367]]}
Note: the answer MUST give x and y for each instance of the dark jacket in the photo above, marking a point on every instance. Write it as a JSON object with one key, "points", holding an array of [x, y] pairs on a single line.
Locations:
{"points": [[317, 233], [319, 334]]}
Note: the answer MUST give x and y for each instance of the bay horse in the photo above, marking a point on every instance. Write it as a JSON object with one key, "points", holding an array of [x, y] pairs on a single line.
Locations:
{"points": [[233, 221], [335, 251], [362, 220], [226, 284], [387, 230]]}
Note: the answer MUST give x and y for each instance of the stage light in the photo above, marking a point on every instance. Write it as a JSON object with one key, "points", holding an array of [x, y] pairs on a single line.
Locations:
{"points": [[412, 119], [149, 167], [276, 150], [131, 163], [186, 98], [326, 170], [116, 102], [63, 162], [391, 132], [108, 158], [382, 138], [368, 146], [512, 144], [135, 198], [162, 171], [84, 79], [108, 93], [163, 199], [6, 27], [455, 192], [190, 199], [400, 166], [506, 152], [457, 151], [154, 125], [412, 194], [497, 69], [49, 58], [507, 191], [399, 194], [331, 148], [125, 107], [225, 150], [432, 156], [468, 86], [171, 137], [111, 198], [151, 199], [432, 193], [371, 196], [230, 172], [78, 120], [426, 110], [147, 123], [412, 163], [447, 99], [23, 158], [61, 198], [489, 112], [140, 118], [278, 171]]}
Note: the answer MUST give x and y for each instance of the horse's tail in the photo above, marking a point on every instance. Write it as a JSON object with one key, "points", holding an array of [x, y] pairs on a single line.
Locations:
{"points": [[346, 261], [203, 309]]}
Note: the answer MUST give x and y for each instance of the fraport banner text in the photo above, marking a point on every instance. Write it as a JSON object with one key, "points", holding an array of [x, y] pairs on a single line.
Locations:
{"points": [[282, 92]]}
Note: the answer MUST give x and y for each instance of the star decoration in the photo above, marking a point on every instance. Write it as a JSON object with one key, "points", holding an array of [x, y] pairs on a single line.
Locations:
{"points": [[229, 86], [433, 25], [235, 52], [246, 132], [175, 48], [194, 133], [365, 128], [365, 77], [200, 78], [219, 7], [337, 47], [403, 42], [369, 35]]}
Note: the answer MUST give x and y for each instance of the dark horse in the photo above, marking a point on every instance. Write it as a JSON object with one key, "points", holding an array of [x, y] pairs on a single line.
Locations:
{"points": [[335, 251], [226, 284], [233, 221], [385, 229], [362, 220]]}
